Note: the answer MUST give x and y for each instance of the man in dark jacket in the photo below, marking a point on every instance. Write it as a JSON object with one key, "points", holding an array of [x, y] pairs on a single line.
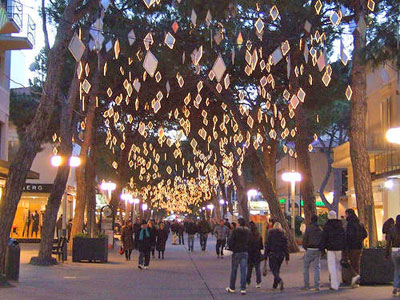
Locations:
{"points": [[312, 243], [355, 235], [333, 240], [238, 244], [204, 229], [191, 230]]}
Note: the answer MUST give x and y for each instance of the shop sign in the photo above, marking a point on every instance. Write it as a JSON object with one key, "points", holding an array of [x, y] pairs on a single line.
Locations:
{"points": [[37, 188]]}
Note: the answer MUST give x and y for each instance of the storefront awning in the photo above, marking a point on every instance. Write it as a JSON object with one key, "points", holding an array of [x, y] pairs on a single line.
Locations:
{"points": [[5, 166]]}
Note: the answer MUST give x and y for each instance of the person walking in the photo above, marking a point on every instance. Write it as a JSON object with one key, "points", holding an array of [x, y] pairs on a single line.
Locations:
{"points": [[127, 239], [387, 227], [221, 232], [35, 225], [144, 246], [153, 236], [162, 237], [191, 230], [276, 250], [255, 257], [393, 246], [136, 231], [312, 243], [333, 240], [355, 235], [238, 244], [181, 230], [204, 229]]}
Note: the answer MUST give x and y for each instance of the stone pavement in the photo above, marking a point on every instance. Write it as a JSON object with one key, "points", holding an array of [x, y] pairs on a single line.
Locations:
{"points": [[198, 275]]}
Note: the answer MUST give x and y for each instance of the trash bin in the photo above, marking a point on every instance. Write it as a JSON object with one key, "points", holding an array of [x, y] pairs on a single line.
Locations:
{"points": [[12, 260]]}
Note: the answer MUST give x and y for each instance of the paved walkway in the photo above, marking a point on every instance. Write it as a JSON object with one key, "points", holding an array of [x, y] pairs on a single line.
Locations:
{"points": [[198, 275]]}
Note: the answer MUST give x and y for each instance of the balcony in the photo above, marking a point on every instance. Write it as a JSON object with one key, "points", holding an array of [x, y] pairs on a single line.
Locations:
{"points": [[13, 21], [387, 163]]}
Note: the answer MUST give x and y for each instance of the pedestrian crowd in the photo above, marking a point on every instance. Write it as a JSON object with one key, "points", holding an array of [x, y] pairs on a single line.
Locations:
{"points": [[340, 240]]}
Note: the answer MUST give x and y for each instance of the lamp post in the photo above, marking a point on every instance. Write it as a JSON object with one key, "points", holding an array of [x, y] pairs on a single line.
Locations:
{"points": [[74, 162], [135, 201], [211, 208], [222, 203], [126, 197], [292, 177]]}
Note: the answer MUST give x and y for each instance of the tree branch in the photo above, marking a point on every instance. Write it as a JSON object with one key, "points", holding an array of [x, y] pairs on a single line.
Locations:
{"points": [[44, 25]]}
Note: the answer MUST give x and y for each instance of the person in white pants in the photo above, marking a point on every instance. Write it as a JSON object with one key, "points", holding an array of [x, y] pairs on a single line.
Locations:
{"points": [[333, 240], [334, 268]]}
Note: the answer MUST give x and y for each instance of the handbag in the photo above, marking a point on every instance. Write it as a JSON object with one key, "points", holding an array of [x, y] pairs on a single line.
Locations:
{"points": [[121, 250], [265, 269]]}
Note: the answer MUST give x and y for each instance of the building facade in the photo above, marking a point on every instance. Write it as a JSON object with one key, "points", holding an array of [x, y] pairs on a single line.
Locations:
{"points": [[383, 99]]}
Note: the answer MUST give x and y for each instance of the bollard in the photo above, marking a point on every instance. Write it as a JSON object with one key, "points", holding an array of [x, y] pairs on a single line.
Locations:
{"points": [[12, 260]]}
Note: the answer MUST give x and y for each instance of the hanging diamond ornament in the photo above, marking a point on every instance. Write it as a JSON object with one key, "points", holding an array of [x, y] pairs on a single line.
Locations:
{"points": [[318, 6], [208, 18], [175, 26], [193, 17], [274, 12], [169, 40], [259, 25], [150, 63], [219, 68], [349, 92], [131, 37]]}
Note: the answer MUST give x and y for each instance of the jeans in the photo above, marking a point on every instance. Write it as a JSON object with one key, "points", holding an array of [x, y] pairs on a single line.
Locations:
{"points": [[203, 241], [396, 262], [190, 241], [239, 259], [334, 268], [275, 263], [311, 256], [219, 248], [256, 266], [181, 239], [146, 256]]}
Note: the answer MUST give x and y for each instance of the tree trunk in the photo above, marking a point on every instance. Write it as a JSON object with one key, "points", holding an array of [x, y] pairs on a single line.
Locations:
{"points": [[81, 188], [53, 204], [358, 146], [36, 132], [229, 191], [217, 206], [304, 164], [269, 160], [90, 174], [242, 199], [267, 189]]}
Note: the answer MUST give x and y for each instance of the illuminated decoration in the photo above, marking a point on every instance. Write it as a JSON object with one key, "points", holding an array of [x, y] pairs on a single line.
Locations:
{"points": [[56, 160]]}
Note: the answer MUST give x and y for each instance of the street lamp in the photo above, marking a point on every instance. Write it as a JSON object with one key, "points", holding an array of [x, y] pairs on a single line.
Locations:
{"points": [[211, 208], [222, 203], [393, 135], [108, 186], [127, 197], [292, 177]]}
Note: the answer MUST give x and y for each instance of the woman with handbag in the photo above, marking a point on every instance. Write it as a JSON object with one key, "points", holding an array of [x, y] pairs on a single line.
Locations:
{"points": [[255, 257], [127, 240]]}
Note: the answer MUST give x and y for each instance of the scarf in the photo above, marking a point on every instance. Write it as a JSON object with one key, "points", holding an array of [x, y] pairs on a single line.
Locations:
{"points": [[142, 231]]}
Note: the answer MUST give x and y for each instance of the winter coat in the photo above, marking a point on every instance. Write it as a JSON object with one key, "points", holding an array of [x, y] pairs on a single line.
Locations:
{"points": [[355, 233], [181, 229], [162, 237], [254, 248], [153, 235], [204, 227], [144, 240], [393, 239], [191, 228], [239, 240], [333, 236], [127, 237], [136, 230], [175, 227], [221, 232], [276, 244], [312, 237], [387, 226]]}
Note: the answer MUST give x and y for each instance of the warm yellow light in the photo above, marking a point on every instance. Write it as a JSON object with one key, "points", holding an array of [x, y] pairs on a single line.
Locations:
{"points": [[56, 160], [127, 197], [393, 135], [291, 176], [108, 186], [144, 206], [251, 193], [136, 200], [210, 206], [74, 161]]}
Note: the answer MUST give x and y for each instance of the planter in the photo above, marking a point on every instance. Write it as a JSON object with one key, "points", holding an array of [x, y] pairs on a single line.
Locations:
{"points": [[89, 249], [375, 268]]}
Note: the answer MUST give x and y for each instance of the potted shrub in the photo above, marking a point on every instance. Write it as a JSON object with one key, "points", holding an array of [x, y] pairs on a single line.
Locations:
{"points": [[89, 249], [375, 268]]}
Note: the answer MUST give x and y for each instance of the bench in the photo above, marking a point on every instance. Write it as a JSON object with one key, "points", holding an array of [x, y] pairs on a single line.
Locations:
{"points": [[59, 248]]}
